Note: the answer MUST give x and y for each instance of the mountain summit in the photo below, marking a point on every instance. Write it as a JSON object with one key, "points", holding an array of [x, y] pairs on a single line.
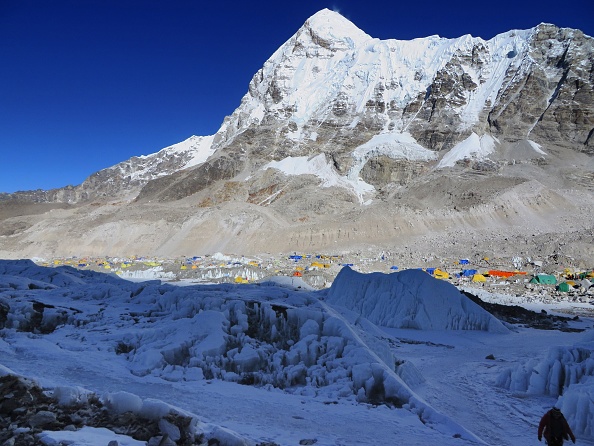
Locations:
{"points": [[327, 27], [338, 126]]}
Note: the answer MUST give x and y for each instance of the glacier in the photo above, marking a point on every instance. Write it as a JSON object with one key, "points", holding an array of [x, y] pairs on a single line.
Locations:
{"points": [[243, 361]]}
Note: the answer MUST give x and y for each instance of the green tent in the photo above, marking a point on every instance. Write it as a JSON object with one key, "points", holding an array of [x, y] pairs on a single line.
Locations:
{"points": [[564, 287], [544, 279]]}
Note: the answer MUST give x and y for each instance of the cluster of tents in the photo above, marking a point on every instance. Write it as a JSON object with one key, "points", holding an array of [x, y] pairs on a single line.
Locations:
{"points": [[473, 274], [104, 263], [569, 281]]}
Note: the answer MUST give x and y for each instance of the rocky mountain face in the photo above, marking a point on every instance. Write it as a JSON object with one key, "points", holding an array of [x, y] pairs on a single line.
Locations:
{"points": [[332, 89], [338, 125]]}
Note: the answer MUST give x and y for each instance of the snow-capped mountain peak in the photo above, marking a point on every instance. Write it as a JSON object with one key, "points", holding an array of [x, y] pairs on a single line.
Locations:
{"points": [[194, 150], [329, 28], [384, 112], [332, 88]]}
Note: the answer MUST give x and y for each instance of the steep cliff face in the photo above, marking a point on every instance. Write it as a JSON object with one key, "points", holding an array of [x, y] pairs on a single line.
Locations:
{"points": [[551, 98], [331, 83]]}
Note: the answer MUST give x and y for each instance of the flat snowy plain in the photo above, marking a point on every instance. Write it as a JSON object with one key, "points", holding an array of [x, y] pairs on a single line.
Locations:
{"points": [[377, 359]]}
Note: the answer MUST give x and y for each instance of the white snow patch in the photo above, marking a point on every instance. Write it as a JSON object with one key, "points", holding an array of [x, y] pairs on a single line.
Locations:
{"points": [[319, 167], [477, 147], [87, 436], [537, 147], [395, 145]]}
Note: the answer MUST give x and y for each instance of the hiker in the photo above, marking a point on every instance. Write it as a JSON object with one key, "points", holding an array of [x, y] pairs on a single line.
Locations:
{"points": [[555, 428]]}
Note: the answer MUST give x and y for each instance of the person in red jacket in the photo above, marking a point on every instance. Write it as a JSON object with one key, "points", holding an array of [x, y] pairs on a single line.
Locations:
{"points": [[555, 428]]}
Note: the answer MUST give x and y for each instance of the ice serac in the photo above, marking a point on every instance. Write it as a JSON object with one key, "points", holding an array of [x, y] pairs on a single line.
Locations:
{"points": [[566, 372], [409, 299]]}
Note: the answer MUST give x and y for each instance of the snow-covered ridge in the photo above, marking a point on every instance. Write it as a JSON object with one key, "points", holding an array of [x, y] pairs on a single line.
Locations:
{"points": [[131, 175], [189, 153], [199, 148]]}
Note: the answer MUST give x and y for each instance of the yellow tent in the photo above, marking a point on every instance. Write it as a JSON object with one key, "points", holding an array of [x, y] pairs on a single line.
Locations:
{"points": [[240, 279], [479, 278], [439, 274]]}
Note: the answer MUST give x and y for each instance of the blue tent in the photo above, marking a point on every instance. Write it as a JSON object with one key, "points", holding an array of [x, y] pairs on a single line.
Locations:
{"points": [[469, 272], [394, 268], [430, 270], [464, 262]]}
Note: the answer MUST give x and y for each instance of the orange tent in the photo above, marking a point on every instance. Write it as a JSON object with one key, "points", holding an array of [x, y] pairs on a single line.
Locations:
{"points": [[497, 273]]}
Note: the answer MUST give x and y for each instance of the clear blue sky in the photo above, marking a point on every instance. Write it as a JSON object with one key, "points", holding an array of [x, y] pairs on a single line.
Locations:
{"points": [[85, 84]]}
